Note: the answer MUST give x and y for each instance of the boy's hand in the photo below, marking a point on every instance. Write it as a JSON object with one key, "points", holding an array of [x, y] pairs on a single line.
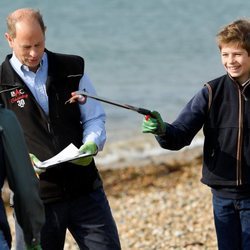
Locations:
{"points": [[154, 124]]}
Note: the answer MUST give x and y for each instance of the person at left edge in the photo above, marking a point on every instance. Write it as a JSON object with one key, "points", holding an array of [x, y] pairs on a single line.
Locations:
{"points": [[16, 168], [35, 84]]}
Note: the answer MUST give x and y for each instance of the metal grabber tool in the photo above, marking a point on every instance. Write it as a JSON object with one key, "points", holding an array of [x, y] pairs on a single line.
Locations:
{"points": [[125, 106]]}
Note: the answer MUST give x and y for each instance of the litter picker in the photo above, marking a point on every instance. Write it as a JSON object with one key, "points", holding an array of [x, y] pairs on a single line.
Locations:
{"points": [[125, 106]]}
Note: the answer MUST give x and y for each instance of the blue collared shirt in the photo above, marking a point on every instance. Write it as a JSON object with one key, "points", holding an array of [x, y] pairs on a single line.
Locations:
{"points": [[92, 113]]}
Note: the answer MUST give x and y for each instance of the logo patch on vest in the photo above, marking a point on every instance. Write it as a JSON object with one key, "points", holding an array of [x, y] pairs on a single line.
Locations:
{"points": [[18, 96]]}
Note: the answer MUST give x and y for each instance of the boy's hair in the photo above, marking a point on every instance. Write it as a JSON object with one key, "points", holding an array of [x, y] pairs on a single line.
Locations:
{"points": [[237, 32], [22, 14]]}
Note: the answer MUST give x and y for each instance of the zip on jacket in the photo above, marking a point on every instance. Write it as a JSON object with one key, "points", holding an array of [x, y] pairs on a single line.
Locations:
{"points": [[226, 150]]}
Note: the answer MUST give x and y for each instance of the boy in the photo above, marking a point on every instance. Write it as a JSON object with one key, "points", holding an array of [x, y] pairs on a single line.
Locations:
{"points": [[222, 108]]}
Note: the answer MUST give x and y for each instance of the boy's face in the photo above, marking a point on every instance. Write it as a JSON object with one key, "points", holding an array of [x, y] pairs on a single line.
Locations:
{"points": [[236, 62]]}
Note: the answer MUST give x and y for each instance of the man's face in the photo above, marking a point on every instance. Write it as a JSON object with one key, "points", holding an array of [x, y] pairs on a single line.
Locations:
{"points": [[236, 62], [29, 43]]}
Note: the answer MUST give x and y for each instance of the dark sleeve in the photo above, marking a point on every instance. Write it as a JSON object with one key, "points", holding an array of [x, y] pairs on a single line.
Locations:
{"points": [[181, 132], [21, 177], [4, 225]]}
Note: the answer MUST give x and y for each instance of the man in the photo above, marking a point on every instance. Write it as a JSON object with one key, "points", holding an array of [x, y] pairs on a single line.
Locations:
{"points": [[222, 107], [35, 84], [15, 165]]}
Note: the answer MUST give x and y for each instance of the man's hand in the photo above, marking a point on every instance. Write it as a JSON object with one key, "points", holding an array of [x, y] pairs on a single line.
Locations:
{"points": [[36, 247], [36, 162], [88, 147], [154, 124], [76, 98]]}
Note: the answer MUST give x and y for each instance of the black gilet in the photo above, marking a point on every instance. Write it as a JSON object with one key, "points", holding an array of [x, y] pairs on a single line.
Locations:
{"points": [[47, 135]]}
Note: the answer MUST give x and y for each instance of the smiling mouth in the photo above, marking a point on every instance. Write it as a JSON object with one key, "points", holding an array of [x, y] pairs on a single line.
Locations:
{"points": [[233, 68]]}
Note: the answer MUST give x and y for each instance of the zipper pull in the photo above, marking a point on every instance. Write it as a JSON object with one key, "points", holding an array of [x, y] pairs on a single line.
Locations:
{"points": [[48, 125]]}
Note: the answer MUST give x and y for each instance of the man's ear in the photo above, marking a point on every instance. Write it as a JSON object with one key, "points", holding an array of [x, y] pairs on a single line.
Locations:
{"points": [[9, 39]]}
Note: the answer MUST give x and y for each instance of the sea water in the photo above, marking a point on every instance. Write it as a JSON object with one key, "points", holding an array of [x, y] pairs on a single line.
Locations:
{"points": [[154, 54]]}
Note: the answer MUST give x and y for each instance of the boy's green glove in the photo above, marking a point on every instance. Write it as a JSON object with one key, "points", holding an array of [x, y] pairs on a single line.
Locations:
{"points": [[88, 147], [154, 124], [35, 162], [36, 247]]}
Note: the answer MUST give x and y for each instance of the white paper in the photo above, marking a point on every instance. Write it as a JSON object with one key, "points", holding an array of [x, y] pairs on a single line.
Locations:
{"points": [[68, 154]]}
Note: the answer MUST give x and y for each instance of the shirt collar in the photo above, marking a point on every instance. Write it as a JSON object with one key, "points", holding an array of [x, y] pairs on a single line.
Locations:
{"points": [[246, 82], [243, 84], [21, 67]]}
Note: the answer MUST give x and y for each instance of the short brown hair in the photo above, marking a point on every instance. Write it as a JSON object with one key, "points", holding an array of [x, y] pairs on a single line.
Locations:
{"points": [[237, 32], [20, 15]]}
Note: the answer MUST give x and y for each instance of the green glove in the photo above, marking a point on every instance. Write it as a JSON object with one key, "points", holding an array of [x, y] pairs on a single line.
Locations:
{"points": [[88, 147], [154, 124], [36, 247], [36, 162]]}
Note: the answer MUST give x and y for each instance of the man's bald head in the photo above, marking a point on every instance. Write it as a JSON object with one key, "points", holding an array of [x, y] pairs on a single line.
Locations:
{"points": [[22, 15]]}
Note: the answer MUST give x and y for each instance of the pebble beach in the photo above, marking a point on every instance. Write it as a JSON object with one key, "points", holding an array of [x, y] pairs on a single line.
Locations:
{"points": [[160, 204]]}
